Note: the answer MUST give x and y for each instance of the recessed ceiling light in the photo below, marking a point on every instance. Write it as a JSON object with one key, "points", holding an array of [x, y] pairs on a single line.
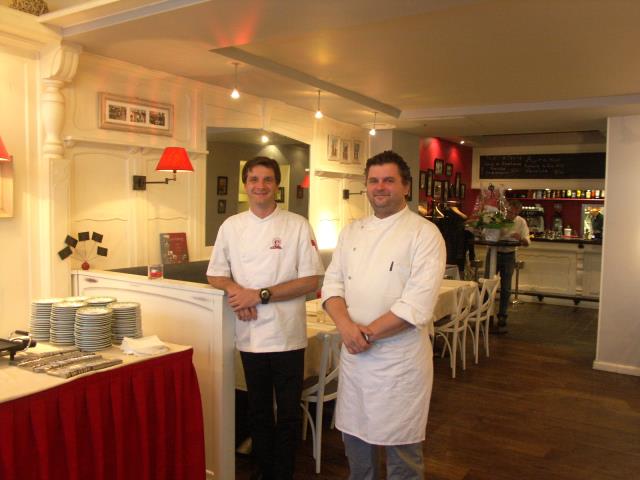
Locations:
{"points": [[461, 142], [264, 139]]}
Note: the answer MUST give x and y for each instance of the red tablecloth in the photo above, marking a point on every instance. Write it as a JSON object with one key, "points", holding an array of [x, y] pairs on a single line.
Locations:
{"points": [[140, 421]]}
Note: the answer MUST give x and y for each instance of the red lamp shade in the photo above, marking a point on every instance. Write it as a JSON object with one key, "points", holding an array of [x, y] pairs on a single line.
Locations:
{"points": [[305, 181], [4, 155], [174, 159]]}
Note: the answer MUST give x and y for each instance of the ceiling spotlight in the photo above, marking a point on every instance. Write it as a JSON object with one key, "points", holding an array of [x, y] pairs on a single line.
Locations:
{"points": [[235, 94], [372, 132], [461, 142], [264, 139], [318, 112]]}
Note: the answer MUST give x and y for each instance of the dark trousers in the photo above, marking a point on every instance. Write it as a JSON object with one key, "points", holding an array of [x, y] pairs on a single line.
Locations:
{"points": [[275, 440], [505, 266]]}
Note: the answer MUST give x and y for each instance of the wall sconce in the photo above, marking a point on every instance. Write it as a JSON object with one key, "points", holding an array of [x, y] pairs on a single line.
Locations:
{"points": [[4, 155], [173, 159], [346, 193]]}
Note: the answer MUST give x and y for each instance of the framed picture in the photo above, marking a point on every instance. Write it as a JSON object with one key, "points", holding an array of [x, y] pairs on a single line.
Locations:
{"points": [[445, 190], [438, 166], [429, 185], [461, 192], [358, 151], [345, 151], [280, 195], [222, 206], [449, 169], [409, 195], [223, 183], [437, 190], [333, 148], [423, 180], [299, 192], [135, 115], [453, 193], [458, 182]]}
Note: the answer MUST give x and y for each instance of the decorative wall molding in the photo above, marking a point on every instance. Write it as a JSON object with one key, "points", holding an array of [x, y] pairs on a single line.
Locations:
{"points": [[133, 149]]}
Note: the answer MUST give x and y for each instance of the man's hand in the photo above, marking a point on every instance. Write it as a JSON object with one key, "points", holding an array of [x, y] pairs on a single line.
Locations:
{"points": [[353, 339], [241, 298], [247, 314]]}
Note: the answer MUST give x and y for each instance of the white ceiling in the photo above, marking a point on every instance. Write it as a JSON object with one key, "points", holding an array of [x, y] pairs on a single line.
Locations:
{"points": [[451, 68]]}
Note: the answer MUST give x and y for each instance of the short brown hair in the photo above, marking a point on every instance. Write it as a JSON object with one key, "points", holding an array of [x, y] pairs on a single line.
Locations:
{"points": [[265, 162], [390, 157]]}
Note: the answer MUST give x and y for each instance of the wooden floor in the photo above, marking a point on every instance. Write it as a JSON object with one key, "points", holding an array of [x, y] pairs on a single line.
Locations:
{"points": [[534, 410]]}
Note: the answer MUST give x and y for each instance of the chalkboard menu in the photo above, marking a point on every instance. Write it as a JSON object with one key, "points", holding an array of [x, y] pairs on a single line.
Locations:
{"points": [[547, 165]]}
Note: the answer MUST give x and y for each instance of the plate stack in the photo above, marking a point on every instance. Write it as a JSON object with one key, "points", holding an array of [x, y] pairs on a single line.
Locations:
{"points": [[40, 324], [63, 319], [93, 328], [126, 321], [100, 301], [76, 299]]}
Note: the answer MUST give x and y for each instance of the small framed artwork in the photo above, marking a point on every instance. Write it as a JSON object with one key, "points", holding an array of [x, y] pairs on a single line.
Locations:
{"points": [[453, 193], [222, 206], [409, 195], [437, 190], [462, 192], [357, 151], [429, 185], [445, 190], [280, 195], [223, 183], [333, 148], [423, 180], [345, 151], [438, 166], [449, 169], [458, 182], [299, 192], [135, 115]]}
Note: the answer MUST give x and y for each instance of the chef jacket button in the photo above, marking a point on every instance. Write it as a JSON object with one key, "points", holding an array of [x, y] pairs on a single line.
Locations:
{"points": [[354, 249], [349, 277]]}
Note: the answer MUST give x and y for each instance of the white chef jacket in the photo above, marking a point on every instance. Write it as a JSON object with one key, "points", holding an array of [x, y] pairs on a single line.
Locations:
{"points": [[260, 253], [392, 264]]}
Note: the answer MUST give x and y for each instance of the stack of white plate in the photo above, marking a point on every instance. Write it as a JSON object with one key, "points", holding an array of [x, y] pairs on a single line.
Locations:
{"points": [[40, 324], [80, 298], [93, 328], [63, 319], [126, 321], [100, 301]]}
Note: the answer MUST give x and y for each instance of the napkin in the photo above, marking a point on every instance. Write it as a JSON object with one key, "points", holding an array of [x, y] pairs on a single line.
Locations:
{"points": [[151, 345]]}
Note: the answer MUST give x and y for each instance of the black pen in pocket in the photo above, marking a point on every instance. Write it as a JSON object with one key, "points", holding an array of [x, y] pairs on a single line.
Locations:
{"points": [[391, 267]]}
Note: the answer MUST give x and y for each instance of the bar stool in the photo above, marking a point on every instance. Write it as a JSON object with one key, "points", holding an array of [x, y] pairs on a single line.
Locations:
{"points": [[519, 266], [475, 265]]}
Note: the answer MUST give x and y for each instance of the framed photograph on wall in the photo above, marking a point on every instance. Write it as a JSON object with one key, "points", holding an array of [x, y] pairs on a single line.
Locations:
{"points": [[409, 195], [345, 151], [458, 182], [129, 114], [445, 190], [429, 186], [438, 166], [222, 206], [358, 151], [437, 190], [299, 192], [223, 185], [280, 195], [423, 180], [333, 148], [462, 192], [449, 169]]}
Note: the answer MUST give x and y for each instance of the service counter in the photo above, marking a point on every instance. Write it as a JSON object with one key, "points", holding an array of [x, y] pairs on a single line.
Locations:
{"points": [[559, 271]]}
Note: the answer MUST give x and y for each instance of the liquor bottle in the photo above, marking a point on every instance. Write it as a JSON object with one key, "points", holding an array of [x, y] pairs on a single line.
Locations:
{"points": [[579, 194], [569, 193], [588, 194], [573, 194], [597, 194]]}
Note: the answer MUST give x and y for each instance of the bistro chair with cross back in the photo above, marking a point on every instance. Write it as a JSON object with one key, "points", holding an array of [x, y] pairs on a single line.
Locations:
{"points": [[321, 388], [481, 314]]}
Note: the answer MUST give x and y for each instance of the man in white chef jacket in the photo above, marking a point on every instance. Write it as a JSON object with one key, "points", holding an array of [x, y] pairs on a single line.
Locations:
{"points": [[380, 289], [266, 260]]}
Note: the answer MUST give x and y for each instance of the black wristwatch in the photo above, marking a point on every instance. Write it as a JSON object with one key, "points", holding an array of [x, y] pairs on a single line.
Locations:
{"points": [[265, 295]]}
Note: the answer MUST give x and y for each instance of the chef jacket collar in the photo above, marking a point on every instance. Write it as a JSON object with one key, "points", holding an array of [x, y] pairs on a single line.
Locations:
{"points": [[375, 222], [257, 219]]}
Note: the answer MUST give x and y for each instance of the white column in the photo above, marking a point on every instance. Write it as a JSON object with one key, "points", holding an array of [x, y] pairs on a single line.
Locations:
{"points": [[618, 348]]}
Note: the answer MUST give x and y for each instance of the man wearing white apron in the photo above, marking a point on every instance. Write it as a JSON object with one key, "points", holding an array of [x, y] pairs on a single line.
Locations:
{"points": [[380, 289], [266, 260]]}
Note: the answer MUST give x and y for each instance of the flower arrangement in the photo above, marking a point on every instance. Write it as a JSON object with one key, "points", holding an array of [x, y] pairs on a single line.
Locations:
{"points": [[490, 211], [491, 219]]}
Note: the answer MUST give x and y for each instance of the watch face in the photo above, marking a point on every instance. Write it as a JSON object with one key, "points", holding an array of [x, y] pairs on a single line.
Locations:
{"points": [[265, 294]]}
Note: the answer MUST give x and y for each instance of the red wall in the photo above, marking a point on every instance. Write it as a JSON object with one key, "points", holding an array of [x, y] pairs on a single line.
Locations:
{"points": [[456, 154]]}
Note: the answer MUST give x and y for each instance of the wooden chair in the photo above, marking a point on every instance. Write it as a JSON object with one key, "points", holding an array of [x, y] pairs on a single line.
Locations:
{"points": [[453, 329], [483, 310], [321, 388]]}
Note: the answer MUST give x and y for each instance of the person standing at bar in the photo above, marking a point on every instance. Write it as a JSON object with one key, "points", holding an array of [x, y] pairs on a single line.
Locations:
{"points": [[266, 260], [380, 289], [506, 261]]}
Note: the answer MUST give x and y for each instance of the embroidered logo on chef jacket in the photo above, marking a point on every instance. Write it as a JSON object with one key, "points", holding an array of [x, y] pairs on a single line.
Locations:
{"points": [[276, 244]]}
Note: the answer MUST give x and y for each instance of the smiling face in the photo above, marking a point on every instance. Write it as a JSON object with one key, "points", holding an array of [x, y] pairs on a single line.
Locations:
{"points": [[261, 187], [385, 189]]}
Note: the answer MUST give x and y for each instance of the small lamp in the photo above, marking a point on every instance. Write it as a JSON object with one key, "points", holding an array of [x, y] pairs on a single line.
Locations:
{"points": [[4, 155], [173, 159]]}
